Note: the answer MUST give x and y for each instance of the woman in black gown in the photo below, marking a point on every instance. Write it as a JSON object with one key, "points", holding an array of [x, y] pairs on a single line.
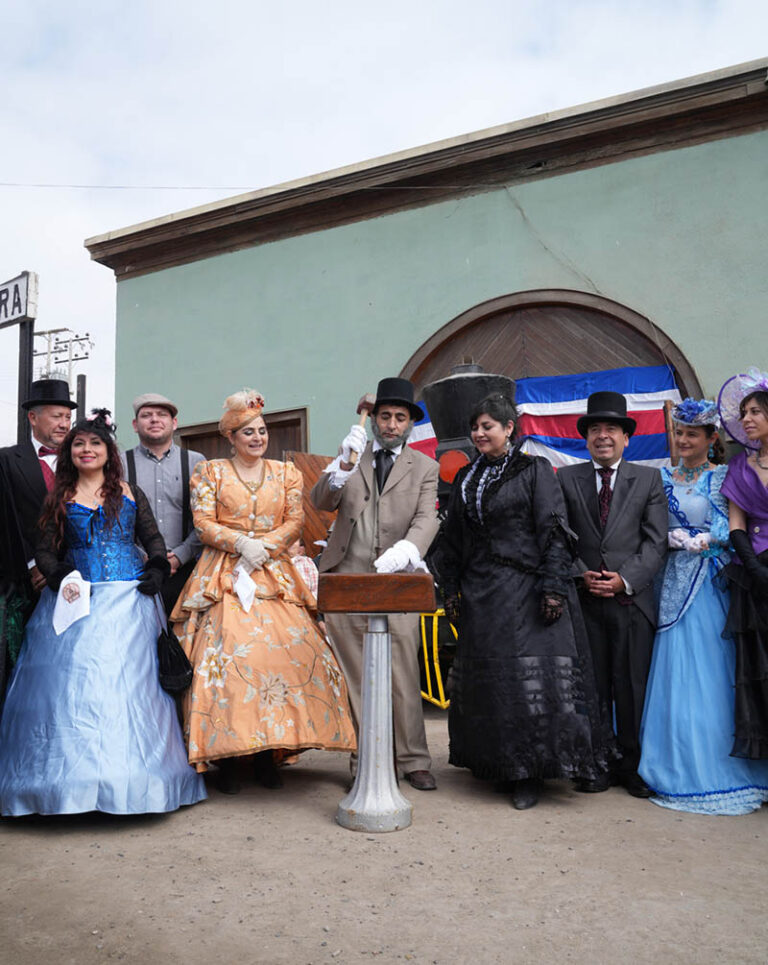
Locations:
{"points": [[523, 705]]}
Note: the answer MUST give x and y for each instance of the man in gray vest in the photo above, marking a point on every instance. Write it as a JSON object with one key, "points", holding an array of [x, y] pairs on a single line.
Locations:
{"points": [[162, 470], [386, 522]]}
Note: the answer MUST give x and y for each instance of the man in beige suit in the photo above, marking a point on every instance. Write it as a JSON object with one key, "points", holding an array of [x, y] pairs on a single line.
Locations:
{"points": [[386, 522]]}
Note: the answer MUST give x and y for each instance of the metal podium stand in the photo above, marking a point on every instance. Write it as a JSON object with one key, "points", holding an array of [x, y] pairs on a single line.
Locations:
{"points": [[375, 802]]}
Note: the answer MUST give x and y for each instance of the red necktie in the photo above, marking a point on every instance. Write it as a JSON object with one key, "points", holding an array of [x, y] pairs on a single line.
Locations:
{"points": [[605, 494], [48, 473]]}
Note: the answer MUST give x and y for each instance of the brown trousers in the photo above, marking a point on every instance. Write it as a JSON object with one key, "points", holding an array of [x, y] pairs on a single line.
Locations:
{"points": [[346, 631]]}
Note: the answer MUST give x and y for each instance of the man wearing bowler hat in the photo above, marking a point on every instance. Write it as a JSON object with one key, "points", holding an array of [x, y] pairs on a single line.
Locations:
{"points": [[386, 522], [619, 512], [27, 473]]}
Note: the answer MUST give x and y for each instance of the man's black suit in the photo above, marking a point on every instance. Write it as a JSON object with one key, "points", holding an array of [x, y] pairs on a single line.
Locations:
{"points": [[621, 628], [22, 492], [24, 480]]}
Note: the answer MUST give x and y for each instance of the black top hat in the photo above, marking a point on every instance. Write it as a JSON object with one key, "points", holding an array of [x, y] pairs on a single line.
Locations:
{"points": [[49, 392], [398, 392], [606, 407]]}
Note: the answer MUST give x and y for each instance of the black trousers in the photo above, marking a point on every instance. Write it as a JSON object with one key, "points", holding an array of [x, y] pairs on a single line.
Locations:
{"points": [[621, 641], [172, 587]]}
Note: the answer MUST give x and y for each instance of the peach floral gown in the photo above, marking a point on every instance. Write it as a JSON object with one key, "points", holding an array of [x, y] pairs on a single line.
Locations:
{"points": [[265, 678]]}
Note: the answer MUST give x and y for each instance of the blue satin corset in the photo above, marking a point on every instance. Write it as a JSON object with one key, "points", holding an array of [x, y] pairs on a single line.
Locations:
{"points": [[103, 553]]}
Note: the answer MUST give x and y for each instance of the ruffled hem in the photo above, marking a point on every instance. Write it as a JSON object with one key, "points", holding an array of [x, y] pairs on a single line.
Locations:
{"points": [[733, 801]]}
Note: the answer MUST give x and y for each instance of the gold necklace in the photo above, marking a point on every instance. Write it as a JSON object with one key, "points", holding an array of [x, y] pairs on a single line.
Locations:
{"points": [[250, 483]]}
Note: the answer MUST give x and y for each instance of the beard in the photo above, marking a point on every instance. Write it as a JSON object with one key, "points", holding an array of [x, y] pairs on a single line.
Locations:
{"points": [[395, 441]]}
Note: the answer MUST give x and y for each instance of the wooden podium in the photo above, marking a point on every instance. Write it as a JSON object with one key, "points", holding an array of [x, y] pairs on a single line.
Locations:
{"points": [[375, 802]]}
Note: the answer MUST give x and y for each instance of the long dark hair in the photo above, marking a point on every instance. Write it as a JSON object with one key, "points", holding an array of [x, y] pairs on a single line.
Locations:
{"points": [[499, 407], [100, 424]]}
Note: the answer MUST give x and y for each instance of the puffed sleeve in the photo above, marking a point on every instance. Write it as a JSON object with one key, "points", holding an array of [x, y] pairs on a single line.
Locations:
{"points": [[203, 500], [279, 539]]}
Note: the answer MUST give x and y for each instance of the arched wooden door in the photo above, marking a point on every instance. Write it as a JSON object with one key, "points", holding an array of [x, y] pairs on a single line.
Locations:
{"points": [[552, 332]]}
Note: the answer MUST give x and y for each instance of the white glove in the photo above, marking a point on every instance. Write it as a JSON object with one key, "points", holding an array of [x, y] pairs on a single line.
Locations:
{"points": [[676, 539], [398, 557], [354, 441], [253, 551], [697, 544]]}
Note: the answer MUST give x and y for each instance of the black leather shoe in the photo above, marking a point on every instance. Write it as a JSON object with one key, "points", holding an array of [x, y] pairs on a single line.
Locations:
{"points": [[267, 773], [421, 780], [595, 786], [635, 785], [525, 794], [227, 779]]}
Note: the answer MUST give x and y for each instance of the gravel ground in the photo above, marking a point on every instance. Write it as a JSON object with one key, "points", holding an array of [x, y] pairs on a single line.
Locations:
{"points": [[269, 877]]}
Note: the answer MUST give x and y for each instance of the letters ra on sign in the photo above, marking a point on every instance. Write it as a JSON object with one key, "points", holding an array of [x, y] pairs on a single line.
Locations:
{"points": [[18, 299]]}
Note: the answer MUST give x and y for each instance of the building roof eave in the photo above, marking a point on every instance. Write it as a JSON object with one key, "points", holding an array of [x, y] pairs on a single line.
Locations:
{"points": [[710, 105]]}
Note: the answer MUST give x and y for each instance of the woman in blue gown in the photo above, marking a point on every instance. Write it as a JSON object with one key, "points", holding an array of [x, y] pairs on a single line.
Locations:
{"points": [[86, 726], [688, 722]]}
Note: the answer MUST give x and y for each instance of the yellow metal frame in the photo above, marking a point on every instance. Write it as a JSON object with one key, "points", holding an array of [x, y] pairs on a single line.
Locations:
{"points": [[432, 666]]}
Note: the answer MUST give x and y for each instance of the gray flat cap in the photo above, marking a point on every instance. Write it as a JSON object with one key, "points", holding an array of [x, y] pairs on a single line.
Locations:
{"points": [[153, 398]]}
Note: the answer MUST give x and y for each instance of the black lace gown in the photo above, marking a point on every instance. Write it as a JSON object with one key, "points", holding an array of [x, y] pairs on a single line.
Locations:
{"points": [[523, 702]]}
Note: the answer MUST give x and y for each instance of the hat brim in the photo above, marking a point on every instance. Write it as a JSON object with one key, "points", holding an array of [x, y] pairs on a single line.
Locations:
{"points": [[416, 411], [584, 422], [31, 403], [729, 407], [157, 405]]}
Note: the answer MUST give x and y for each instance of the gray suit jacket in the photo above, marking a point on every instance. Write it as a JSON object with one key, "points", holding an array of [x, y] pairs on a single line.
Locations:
{"points": [[634, 541], [406, 504]]}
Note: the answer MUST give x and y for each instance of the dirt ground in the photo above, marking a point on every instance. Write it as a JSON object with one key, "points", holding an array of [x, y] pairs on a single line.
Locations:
{"points": [[269, 877]]}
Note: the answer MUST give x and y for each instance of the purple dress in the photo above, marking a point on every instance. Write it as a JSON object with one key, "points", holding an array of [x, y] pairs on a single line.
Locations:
{"points": [[748, 615]]}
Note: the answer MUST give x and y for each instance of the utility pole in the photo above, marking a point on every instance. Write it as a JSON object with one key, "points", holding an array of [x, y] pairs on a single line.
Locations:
{"points": [[64, 347]]}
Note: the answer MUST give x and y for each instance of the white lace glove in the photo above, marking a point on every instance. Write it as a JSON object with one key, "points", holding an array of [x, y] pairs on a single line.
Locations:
{"points": [[253, 551], [354, 441], [398, 557], [697, 544], [676, 539]]}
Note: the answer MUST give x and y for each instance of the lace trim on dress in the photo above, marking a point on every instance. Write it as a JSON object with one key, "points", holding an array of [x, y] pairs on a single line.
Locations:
{"points": [[685, 572], [730, 801]]}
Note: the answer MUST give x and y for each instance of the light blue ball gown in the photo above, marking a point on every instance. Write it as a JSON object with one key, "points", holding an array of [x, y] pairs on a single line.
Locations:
{"points": [[86, 725], [688, 723]]}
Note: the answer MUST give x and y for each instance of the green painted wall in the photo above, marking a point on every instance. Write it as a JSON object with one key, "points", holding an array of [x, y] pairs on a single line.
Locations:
{"points": [[316, 320]]}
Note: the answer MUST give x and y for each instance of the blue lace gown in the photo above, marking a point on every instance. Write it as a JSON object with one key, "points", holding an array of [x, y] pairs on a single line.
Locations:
{"points": [[86, 725], [688, 723]]}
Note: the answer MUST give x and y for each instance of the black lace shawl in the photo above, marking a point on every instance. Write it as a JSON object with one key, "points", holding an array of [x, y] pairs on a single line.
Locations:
{"points": [[521, 524]]}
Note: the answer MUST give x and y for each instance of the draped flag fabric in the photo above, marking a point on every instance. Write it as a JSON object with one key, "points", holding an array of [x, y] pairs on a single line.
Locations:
{"points": [[549, 407]]}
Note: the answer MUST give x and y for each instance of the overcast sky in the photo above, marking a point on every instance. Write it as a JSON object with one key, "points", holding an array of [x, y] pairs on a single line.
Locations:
{"points": [[141, 100]]}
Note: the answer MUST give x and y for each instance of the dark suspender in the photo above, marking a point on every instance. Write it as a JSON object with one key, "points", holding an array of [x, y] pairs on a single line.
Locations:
{"points": [[186, 510], [131, 463]]}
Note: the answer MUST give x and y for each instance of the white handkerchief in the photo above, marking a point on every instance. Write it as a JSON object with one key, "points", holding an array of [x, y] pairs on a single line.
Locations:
{"points": [[244, 586], [72, 603]]}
